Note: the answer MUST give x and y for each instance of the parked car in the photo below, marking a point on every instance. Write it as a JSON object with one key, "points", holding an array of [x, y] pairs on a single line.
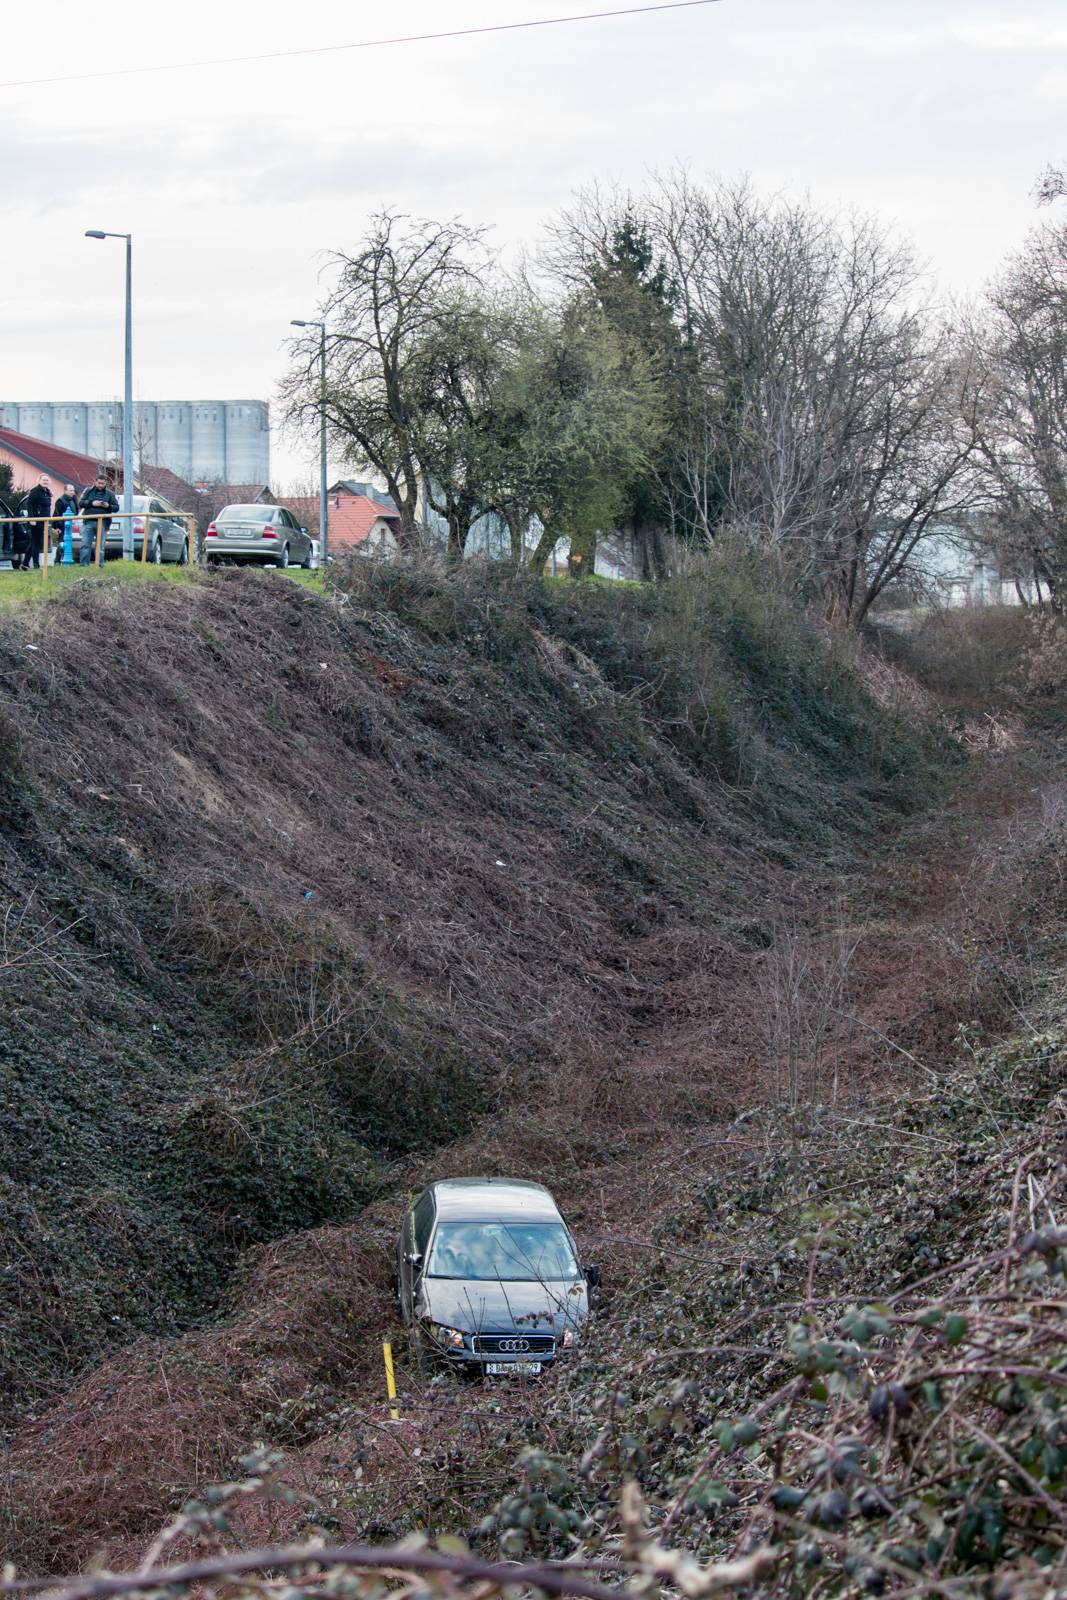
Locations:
{"points": [[168, 535], [268, 534], [489, 1275]]}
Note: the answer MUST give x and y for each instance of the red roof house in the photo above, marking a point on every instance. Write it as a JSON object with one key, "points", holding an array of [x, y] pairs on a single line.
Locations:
{"points": [[360, 517], [28, 458]]}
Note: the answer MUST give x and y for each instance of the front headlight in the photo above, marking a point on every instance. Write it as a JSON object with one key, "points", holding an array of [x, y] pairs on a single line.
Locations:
{"points": [[451, 1338], [569, 1339]]}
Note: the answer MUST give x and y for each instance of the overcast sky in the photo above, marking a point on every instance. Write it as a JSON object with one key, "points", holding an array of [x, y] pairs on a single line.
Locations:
{"points": [[235, 180]]}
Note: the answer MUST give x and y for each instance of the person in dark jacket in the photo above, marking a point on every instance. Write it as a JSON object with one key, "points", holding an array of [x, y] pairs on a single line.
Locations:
{"points": [[20, 539], [68, 501], [38, 507], [7, 532], [96, 502]]}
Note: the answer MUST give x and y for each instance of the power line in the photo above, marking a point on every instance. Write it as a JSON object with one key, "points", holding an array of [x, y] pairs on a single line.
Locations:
{"points": [[359, 44]]}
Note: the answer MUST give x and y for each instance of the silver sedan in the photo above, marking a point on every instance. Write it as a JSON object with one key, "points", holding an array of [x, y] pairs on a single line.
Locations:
{"points": [[269, 535]]}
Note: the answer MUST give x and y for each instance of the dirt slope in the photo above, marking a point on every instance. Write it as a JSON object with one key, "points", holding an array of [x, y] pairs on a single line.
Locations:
{"points": [[296, 887]]}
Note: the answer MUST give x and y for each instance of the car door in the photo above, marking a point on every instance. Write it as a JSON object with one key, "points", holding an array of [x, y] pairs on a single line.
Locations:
{"points": [[297, 541], [157, 529], [414, 1243], [178, 531], [295, 538], [165, 528]]}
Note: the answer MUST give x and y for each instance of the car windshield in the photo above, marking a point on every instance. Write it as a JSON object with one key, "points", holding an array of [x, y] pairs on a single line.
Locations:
{"points": [[515, 1252], [246, 514]]}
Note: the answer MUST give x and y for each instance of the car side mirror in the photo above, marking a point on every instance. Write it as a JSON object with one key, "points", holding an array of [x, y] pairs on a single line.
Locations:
{"points": [[303, 530], [592, 1276], [414, 1259]]}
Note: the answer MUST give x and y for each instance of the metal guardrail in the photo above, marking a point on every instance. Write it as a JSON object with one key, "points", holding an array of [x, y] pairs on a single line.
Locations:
{"points": [[74, 533]]}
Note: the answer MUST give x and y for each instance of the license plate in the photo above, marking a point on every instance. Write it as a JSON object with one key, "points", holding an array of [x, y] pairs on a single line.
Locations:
{"points": [[513, 1369]]}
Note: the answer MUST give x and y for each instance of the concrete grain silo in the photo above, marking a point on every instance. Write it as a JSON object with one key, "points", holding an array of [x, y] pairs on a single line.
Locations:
{"points": [[145, 431], [71, 423], [247, 424], [209, 441], [103, 430], [174, 438], [36, 420], [203, 441]]}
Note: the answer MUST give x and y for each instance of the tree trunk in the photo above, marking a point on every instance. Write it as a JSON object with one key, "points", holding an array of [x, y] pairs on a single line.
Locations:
{"points": [[458, 529], [651, 550], [516, 523], [543, 549], [582, 560]]}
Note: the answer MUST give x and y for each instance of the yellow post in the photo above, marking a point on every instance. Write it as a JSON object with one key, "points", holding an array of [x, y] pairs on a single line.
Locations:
{"points": [[45, 542], [144, 542], [390, 1380], [99, 539], [190, 534]]}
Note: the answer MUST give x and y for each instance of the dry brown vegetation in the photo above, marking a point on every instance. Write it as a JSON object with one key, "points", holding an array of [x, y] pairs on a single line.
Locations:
{"points": [[547, 904]]}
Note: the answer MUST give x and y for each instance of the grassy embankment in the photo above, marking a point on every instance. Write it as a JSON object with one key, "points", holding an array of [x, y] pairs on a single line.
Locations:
{"points": [[303, 889], [832, 1331], [22, 588]]}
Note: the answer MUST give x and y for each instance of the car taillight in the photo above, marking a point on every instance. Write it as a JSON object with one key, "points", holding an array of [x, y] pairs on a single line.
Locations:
{"points": [[138, 524], [269, 532], [212, 532]]}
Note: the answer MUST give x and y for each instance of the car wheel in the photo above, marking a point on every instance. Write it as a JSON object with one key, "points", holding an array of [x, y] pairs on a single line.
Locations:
{"points": [[157, 553], [283, 558], [183, 556], [306, 563]]}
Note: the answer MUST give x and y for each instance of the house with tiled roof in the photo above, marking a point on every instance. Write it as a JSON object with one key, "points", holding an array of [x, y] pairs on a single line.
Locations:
{"points": [[360, 517], [28, 458]]}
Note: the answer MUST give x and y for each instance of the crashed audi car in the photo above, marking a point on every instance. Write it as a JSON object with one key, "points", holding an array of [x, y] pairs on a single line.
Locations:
{"points": [[488, 1271]]}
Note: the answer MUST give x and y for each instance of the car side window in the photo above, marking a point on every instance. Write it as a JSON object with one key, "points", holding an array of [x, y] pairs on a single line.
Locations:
{"points": [[423, 1223], [155, 508]]}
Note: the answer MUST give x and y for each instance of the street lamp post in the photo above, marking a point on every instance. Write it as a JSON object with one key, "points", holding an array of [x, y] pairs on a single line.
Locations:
{"points": [[323, 529], [127, 403]]}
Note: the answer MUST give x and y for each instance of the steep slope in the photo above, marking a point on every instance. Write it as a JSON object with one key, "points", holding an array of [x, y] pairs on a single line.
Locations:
{"points": [[297, 886]]}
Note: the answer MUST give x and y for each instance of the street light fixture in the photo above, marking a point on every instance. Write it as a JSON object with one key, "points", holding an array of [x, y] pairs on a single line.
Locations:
{"points": [[127, 404], [323, 532]]}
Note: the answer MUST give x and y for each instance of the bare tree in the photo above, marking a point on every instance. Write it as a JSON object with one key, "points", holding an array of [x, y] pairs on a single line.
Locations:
{"points": [[1023, 419], [825, 420], [1051, 185], [391, 296]]}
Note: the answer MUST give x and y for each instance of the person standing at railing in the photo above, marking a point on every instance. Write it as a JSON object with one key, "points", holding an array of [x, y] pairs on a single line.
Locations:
{"points": [[37, 506], [66, 506], [97, 506]]}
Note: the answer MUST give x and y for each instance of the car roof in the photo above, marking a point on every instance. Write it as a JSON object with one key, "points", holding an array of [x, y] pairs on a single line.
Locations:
{"points": [[470, 1199]]}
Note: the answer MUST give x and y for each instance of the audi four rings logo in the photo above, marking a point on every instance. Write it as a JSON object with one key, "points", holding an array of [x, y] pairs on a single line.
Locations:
{"points": [[514, 1344]]}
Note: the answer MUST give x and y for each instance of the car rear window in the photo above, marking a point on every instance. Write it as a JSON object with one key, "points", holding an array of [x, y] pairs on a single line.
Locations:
{"points": [[246, 514], [509, 1252]]}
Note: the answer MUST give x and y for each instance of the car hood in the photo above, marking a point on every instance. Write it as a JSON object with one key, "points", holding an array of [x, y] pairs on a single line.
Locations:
{"points": [[474, 1305]]}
